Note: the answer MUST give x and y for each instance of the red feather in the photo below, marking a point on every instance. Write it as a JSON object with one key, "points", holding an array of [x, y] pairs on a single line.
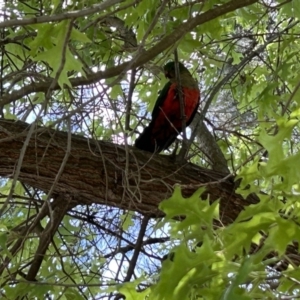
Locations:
{"points": [[166, 121]]}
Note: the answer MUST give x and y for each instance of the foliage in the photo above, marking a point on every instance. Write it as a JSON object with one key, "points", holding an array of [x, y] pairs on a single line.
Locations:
{"points": [[94, 68]]}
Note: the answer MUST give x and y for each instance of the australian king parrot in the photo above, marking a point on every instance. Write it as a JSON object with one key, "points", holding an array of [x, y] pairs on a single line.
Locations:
{"points": [[166, 121]]}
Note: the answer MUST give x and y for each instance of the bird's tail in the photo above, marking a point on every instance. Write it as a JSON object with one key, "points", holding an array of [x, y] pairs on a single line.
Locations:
{"points": [[144, 141], [152, 140]]}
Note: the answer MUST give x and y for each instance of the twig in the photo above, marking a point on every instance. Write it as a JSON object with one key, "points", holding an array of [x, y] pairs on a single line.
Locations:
{"points": [[180, 96], [129, 99], [137, 249], [290, 99]]}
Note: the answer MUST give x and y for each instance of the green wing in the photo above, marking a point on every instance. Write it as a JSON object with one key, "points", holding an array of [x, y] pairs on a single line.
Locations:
{"points": [[161, 98]]}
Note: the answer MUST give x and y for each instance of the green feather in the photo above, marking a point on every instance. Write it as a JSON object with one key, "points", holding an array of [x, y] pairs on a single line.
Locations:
{"points": [[186, 77], [161, 98], [170, 66]]}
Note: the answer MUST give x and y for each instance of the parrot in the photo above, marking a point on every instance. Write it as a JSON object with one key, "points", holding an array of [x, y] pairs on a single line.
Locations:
{"points": [[166, 122]]}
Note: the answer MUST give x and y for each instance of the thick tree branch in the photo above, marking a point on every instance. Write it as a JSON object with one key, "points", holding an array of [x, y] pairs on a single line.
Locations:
{"points": [[149, 179]]}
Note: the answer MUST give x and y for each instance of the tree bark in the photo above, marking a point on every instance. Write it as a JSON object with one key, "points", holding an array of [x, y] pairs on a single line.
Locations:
{"points": [[105, 173]]}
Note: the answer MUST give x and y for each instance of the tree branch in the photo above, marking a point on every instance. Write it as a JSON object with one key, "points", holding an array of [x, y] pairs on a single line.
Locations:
{"points": [[91, 177], [64, 16], [63, 202], [137, 249]]}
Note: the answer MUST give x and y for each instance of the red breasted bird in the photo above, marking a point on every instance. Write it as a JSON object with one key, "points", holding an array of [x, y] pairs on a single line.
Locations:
{"points": [[166, 121]]}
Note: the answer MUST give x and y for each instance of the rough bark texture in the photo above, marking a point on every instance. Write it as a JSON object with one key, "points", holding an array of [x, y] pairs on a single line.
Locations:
{"points": [[105, 173]]}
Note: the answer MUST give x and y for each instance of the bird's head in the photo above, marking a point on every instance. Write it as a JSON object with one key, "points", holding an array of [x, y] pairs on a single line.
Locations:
{"points": [[169, 69]]}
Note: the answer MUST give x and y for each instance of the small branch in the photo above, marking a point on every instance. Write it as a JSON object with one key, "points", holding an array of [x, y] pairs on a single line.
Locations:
{"points": [[290, 99], [182, 106], [60, 210], [130, 247], [129, 99], [138, 246]]}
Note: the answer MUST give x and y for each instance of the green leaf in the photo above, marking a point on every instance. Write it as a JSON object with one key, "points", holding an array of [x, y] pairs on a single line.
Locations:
{"points": [[246, 232], [19, 290], [129, 290], [273, 144], [234, 290], [72, 294], [3, 240], [266, 204], [178, 277], [55, 4], [196, 212], [283, 234], [291, 9], [43, 38], [127, 220], [249, 174], [237, 57], [79, 36], [52, 38], [116, 91], [54, 60]]}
